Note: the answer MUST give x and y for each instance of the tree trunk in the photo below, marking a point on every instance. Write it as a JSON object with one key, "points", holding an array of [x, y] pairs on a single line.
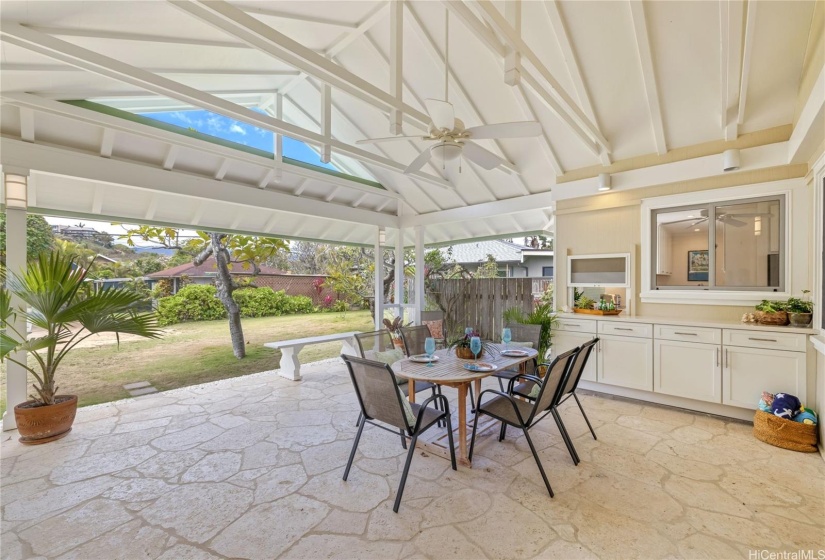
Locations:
{"points": [[225, 287]]}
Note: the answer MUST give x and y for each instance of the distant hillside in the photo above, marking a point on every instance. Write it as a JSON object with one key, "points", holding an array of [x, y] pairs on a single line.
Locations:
{"points": [[157, 250]]}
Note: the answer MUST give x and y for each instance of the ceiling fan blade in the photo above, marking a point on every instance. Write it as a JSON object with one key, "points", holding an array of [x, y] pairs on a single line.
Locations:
{"points": [[522, 129], [696, 222], [441, 112], [733, 221], [389, 139], [681, 221], [419, 162], [481, 156]]}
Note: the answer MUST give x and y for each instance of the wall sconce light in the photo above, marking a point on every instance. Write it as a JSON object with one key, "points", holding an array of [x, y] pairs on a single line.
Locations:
{"points": [[382, 237], [604, 182], [730, 160], [16, 191]]}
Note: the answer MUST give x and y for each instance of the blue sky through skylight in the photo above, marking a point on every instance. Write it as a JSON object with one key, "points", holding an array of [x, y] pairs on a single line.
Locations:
{"points": [[219, 126]]}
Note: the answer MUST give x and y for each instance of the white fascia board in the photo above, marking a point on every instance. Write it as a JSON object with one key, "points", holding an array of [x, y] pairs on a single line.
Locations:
{"points": [[481, 211], [109, 122], [808, 132], [771, 155], [61, 161]]}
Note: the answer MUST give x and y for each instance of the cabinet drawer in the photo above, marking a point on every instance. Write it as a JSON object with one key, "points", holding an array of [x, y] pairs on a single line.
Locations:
{"points": [[688, 334], [576, 325], [620, 328], [770, 340]]}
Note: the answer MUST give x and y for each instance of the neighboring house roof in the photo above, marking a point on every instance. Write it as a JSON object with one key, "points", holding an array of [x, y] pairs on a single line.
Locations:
{"points": [[476, 252], [208, 268]]}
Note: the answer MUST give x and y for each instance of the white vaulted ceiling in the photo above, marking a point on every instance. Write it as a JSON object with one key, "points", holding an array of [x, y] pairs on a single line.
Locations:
{"points": [[637, 78]]}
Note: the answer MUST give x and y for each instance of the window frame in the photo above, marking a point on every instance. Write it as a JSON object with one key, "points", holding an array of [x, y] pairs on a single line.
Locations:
{"points": [[544, 268], [712, 294]]}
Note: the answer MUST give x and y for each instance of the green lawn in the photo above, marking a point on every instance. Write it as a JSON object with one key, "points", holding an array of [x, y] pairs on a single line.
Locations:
{"points": [[193, 353]]}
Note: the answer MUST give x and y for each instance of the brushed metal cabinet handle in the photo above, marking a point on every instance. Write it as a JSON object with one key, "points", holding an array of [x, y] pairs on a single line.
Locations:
{"points": [[727, 359], [621, 329], [686, 333], [717, 357], [762, 339]]}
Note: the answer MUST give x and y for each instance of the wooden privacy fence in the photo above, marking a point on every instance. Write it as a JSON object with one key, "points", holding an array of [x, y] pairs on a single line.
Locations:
{"points": [[479, 302]]}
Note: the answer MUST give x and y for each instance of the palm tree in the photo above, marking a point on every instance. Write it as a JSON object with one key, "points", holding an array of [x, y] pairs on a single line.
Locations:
{"points": [[56, 298]]}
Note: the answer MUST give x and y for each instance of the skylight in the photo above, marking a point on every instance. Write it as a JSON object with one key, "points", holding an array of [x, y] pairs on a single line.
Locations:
{"points": [[229, 132]]}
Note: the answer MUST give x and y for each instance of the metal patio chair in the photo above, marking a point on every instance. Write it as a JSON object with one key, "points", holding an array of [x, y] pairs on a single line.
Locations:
{"points": [[378, 396], [524, 415], [575, 375], [521, 333]]}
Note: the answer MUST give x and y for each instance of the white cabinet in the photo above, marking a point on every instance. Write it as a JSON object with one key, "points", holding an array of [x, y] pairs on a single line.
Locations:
{"points": [[749, 371], [664, 260], [626, 361], [688, 369], [564, 341]]}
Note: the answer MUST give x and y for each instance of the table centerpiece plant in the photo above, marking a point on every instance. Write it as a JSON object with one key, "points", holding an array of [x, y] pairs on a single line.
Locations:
{"points": [[54, 297], [461, 344]]}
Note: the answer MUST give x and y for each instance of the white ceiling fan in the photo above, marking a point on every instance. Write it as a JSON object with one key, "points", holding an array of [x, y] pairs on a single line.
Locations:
{"points": [[728, 219], [451, 139]]}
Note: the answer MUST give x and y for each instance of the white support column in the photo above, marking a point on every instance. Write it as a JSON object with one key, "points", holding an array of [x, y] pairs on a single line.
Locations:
{"points": [[399, 272], [15, 186], [378, 278], [419, 273]]}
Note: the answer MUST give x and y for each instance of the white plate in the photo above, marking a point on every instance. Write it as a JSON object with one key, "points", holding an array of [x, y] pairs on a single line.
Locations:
{"points": [[515, 353], [481, 366], [422, 359]]}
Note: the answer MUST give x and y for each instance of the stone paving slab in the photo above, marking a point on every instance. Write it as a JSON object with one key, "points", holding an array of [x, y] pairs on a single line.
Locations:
{"points": [[251, 467], [142, 391], [137, 385]]}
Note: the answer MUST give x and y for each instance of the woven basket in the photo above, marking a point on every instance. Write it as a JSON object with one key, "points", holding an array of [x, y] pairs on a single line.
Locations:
{"points": [[784, 433], [776, 318], [466, 353]]}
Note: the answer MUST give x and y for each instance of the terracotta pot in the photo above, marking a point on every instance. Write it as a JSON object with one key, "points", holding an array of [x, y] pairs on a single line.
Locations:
{"points": [[42, 424], [466, 353]]}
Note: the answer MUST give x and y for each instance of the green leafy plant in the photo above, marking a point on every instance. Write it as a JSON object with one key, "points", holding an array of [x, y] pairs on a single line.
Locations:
{"points": [[57, 299], [463, 341], [767, 306], [584, 302], [542, 314], [800, 305]]}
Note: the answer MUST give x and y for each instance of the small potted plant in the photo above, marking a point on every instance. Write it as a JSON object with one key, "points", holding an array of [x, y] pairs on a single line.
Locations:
{"points": [[462, 346], [800, 310], [394, 327], [57, 300], [771, 313]]}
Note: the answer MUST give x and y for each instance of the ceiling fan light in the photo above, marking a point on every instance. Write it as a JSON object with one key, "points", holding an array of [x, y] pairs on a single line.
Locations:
{"points": [[444, 152]]}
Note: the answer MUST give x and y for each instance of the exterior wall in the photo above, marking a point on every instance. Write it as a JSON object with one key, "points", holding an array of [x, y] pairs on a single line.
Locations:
{"points": [[535, 264], [295, 285], [611, 223]]}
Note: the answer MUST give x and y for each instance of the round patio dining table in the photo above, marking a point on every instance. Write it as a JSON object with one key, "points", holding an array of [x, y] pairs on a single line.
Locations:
{"points": [[449, 371]]}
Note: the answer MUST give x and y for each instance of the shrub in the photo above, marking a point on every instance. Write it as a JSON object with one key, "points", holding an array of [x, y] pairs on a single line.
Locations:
{"points": [[195, 302], [199, 303]]}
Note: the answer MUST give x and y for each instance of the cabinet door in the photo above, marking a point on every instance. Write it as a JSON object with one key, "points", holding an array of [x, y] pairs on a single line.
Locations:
{"points": [[626, 361], [749, 371], [564, 341], [688, 369]]}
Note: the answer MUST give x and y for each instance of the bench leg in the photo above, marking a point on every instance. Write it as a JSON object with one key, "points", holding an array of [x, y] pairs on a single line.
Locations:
{"points": [[290, 364]]}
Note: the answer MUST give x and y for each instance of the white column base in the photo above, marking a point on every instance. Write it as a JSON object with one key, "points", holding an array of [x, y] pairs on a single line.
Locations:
{"points": [[290, 364]]}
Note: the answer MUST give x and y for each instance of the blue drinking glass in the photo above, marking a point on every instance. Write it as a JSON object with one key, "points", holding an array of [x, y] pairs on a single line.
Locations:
{"points": [[475, 346], [429, 348], [506, 337]]}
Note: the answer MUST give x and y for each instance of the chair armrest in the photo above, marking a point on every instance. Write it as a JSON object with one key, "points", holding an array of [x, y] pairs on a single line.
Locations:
{"points": [[532, 378], [420, 415]]}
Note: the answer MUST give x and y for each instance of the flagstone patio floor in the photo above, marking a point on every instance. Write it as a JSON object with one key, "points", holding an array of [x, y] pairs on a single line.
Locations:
{"points": [[251, 468]]}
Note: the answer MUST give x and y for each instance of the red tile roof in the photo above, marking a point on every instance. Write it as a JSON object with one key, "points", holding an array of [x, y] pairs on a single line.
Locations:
{"points": [[208, 268]]}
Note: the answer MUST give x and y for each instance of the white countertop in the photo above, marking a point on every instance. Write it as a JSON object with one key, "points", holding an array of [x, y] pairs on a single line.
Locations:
{"points": [[685, 322]]}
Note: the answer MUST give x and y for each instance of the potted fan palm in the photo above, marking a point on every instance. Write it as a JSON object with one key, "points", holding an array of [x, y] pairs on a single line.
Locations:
{"points": [[56, 299]]}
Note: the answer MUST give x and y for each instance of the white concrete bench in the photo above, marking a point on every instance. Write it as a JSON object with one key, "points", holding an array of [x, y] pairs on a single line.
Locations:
{"points": [[291, 365]]}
